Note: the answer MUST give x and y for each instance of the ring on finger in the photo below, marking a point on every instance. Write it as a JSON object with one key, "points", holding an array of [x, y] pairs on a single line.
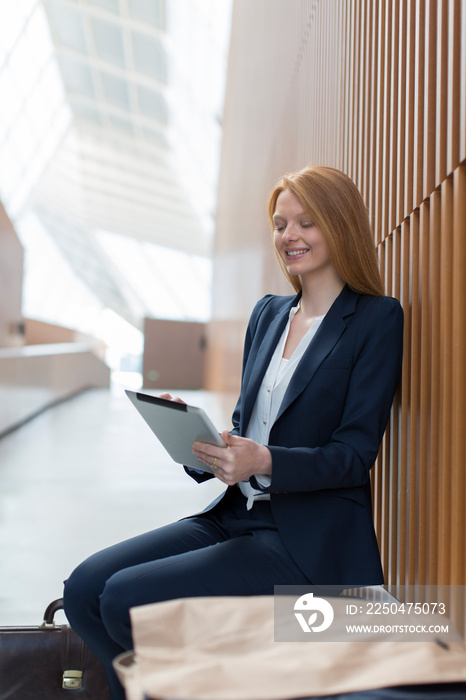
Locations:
{"points": [[214, 465]]}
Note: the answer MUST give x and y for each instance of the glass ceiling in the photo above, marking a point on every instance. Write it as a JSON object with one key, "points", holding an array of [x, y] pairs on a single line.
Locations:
{"points": [[110, 134]]}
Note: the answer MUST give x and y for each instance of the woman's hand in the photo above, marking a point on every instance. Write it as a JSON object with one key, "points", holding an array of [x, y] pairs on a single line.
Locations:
{"points": [[238, 461]]}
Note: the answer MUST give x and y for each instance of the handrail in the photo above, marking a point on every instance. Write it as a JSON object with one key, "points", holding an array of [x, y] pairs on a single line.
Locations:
{"points": [[45, 349]]}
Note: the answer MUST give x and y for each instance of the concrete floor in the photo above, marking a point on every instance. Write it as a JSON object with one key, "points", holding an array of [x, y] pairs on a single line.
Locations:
{"points": [[79, 477]]}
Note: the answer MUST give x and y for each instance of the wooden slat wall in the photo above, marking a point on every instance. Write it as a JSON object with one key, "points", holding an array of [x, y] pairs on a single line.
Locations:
{"points": [[377, 89]]}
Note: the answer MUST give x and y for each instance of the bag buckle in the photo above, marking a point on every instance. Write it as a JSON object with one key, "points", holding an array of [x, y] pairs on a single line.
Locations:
{"points": [[72, 680]]}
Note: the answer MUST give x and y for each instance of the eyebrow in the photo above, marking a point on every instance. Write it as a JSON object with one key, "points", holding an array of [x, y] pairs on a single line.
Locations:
{"points": [[297, 216]]}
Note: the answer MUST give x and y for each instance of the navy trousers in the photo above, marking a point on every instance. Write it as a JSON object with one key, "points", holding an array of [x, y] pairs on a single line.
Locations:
{"points": [[226, 551]]}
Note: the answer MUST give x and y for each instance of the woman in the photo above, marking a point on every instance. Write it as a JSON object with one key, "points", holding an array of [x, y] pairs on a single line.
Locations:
{"points": [[320, 370]]}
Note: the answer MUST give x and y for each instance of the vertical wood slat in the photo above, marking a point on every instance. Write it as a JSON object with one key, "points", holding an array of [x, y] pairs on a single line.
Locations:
{"points": [[433, 504], [441, 92], [387, 477], [351, 93], [402, 113], [346, 87], [370, 202], [410, 107], [454, 76], [430, 102], [403, 562], [367, 68], [459, 376], [462, 81], [391, 117], [339, 20], [445, 371], [354, 133], [377, 163], [384, 117], [396, 431], [377, 475], [419, 103], [413, 400], [424, 394]]}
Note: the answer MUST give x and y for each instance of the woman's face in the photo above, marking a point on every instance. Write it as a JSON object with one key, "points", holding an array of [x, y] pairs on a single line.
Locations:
{"points": [[299, 243]]}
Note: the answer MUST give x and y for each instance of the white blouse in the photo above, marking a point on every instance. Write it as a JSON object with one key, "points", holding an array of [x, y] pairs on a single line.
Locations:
{"points": [[270, 396]]}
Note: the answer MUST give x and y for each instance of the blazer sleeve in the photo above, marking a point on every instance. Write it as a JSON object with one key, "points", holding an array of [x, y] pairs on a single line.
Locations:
{"points": [[345, 459]]}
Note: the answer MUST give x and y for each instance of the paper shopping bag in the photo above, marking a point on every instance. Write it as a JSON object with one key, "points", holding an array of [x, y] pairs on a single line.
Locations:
{"points": [[223, 648]]}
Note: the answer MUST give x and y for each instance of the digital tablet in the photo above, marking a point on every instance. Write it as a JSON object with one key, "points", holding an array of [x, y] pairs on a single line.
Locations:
{"points": [[177, 426]]}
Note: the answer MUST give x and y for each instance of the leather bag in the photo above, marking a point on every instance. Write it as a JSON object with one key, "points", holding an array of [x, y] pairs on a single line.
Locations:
{"points": [[49, 662]]}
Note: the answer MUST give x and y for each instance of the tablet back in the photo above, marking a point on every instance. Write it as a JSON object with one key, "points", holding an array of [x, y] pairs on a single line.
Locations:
{"points": [[177, 426]]}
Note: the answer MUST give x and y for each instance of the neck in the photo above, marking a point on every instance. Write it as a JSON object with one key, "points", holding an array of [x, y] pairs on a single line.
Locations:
{"points": [[319, 295]]}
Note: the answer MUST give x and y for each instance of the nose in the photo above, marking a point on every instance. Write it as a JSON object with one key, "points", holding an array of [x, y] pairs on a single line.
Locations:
{"points": [[290, 233]]}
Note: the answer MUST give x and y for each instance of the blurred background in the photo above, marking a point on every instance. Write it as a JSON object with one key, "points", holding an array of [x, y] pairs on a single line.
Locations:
{"points": [[138, 142], [110, 132], [110, 136]]}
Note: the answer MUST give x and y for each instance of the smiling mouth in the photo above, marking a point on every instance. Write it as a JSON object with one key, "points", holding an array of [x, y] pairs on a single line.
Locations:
{"points": [[295, 253]]}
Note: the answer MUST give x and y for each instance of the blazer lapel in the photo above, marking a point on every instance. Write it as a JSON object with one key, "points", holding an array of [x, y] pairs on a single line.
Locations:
{"points": [[323, 342], [262, 359]]}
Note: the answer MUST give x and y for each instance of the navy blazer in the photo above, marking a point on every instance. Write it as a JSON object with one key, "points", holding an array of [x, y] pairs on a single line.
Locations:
{"points": [[328, 430]]}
